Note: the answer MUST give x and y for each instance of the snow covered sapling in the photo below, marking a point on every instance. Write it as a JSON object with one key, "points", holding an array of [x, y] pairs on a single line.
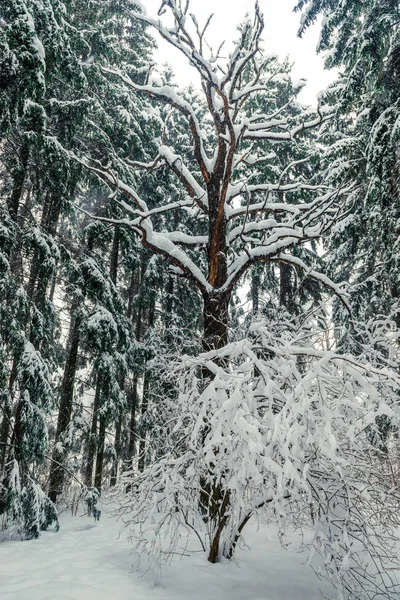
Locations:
{"points": [[281, 433]]}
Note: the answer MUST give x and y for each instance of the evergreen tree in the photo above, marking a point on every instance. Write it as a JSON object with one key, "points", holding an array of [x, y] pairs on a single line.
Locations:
{"points": [[363, 40], [50, 103]]}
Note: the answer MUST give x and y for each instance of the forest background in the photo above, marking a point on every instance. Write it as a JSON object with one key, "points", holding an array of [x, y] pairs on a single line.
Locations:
{"points": [[135, 215]]}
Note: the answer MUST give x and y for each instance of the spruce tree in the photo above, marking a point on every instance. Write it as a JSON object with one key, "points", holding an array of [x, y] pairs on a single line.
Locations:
{"points": [[362, 39]]}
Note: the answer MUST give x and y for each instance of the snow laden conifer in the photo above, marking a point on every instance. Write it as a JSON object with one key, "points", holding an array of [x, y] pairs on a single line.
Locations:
{"points": [[48, 97], [362, 40], [23, 503]]}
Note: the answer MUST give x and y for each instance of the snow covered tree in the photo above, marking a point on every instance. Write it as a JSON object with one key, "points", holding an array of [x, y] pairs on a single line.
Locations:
{"points": [[287, 441], [362, 39], [47, 99], [230, 219], [234, 223]]}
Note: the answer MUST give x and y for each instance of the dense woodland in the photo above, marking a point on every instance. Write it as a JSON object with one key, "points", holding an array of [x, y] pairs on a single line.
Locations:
{"points": [[200, 288]]}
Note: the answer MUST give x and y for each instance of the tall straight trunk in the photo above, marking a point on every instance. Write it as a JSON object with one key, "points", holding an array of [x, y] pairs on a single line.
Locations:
{"points": [[114, 256], [98, 477], [133, 402], [92, 443], [255, 296], [145, 397], [131, 389], [144, 409], [56, 478], [169, 290], [5, 448], [19, 181], [53, 286], [285, 287], [117, 449], [132, 291]]}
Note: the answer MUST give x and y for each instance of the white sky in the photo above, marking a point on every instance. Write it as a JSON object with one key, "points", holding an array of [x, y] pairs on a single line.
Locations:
{"points": [[279, 35]]}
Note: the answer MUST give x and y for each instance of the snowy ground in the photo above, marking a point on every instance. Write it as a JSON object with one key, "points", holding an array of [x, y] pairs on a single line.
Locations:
{"points": [[88, 561]]}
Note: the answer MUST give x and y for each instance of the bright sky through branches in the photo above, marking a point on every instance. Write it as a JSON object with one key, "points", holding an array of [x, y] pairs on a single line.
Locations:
{"points": [[280, 37]]}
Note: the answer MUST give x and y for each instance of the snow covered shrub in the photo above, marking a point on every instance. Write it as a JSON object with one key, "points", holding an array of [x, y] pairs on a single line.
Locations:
{"points": [[90, 497], [27, 509], [275, 426], [24, 506]]}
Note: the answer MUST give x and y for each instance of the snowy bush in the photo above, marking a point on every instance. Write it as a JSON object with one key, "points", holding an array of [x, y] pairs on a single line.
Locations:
{"points": [[276, 427], [27, 509]]}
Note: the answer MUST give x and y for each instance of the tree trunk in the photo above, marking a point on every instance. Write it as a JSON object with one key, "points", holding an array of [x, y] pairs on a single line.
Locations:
{"points": [[133, 397], [216, 317], [144, 409], [285, 287], [56, 479], [145, 398], [49, 220], [114, 257], [19, 180], [118, 428], [5, 428], [255, 296], [92, 444], [117, 449], [98, 477], [214, 502]]}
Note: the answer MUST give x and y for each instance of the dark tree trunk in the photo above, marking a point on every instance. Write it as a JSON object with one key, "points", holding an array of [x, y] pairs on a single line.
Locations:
{"points": [[286, 291], [19, 180], [255, 296], [56, 479], [214, 502], [132, 291], [118, 428], [98, 477], [114, 257], [117, 449], [92, 443], [133, 402], [145, 398], [144, 409], [5, 430], [216, 318]]}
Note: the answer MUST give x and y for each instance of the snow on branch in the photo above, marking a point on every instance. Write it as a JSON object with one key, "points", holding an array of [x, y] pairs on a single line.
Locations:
{"points": [[168, 95], [233, 173], [157, 242], [337, 289], [295, 429]]}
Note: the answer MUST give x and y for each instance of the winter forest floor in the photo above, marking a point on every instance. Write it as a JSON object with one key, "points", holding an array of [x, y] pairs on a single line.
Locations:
{"points": [[91, 561]]}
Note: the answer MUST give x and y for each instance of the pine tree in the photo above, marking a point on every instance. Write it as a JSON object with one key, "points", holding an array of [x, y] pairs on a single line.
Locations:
{"points": [[50, 104], [362, 39]]}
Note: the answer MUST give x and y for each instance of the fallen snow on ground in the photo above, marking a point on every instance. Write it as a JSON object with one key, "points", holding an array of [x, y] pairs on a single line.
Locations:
{"points": [[91, 561]]}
